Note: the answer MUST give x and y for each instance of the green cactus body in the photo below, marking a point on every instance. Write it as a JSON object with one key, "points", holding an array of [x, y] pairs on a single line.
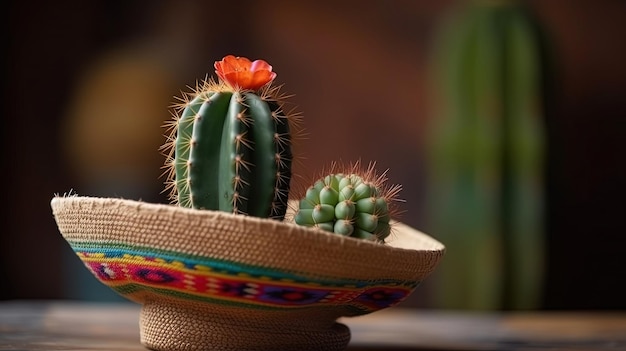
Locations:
{"points": [[486, 157], [349, 205], [232, 152]]}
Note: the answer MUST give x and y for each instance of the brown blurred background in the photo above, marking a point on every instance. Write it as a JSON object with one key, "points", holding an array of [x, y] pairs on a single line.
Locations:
{"points": [[87, 85]]}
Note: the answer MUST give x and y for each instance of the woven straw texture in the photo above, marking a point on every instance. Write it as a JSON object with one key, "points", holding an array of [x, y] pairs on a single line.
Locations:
{"points": [[183, 319], [170, 325]]}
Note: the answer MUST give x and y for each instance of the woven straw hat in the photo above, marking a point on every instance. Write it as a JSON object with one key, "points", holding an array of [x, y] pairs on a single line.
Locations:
{"points": [[211, 280]]}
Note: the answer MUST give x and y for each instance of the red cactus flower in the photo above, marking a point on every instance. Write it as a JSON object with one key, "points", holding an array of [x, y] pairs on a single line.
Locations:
{"points": [[241, 73]]}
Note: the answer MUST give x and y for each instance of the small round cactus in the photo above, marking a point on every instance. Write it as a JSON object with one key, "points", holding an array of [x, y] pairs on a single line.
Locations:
{"points": [[354, 203]]}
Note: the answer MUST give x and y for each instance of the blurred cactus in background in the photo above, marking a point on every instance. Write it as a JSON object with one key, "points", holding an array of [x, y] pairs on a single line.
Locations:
{"points": [[486, 157]]}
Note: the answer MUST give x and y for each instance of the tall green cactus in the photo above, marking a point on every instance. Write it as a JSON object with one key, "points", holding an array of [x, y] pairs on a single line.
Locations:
{"points": [[486, 197], [230, 146], [352, 203]]}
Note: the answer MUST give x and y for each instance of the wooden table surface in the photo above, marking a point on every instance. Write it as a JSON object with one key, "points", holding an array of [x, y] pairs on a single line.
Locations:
{"points": [[61, 325]]}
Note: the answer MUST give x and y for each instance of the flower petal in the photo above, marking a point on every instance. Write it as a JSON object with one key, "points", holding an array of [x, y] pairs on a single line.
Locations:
{"points": [[259, 65], [260, 78]]}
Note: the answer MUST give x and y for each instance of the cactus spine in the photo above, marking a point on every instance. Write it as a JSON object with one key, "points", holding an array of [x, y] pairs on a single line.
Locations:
{"points": [[230, 144], [352, 203]]}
